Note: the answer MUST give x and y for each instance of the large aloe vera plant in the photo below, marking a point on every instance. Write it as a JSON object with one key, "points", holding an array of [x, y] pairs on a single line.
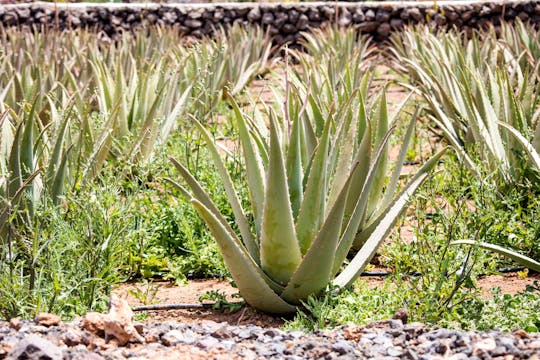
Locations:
{"points": [[307, 204]]}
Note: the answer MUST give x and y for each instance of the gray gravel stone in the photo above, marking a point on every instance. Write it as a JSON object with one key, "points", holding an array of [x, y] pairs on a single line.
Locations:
{"points": [[254, 14], [268, 18], [34, 347], [343, 347], [172, 338]]}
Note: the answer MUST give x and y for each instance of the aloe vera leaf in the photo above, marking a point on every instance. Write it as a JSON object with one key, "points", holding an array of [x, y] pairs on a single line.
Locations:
{"points": [[56, 156], [393, 181], [178, 109], [59, 180], [362, 236], [239, 215], [363, 160], [202, 196], [247, 275], [14, 163], [254, 167], [529, 149], [294, 167], [343, 153], [311, 213], [379, 178], [280, 251], [362, 193], [315, 271], [517, 257], [364, 255]]}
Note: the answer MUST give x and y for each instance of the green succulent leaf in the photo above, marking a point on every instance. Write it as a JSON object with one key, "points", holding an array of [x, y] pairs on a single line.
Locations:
{"points": [[517, 257], [280, 251], [248, 276]]}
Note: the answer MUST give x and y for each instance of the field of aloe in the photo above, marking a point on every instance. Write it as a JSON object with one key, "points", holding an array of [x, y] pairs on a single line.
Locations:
{"points": [[289, 172]]}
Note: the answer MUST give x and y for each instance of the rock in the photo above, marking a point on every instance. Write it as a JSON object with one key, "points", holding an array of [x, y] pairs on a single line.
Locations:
{"points": [[452, 16], [169, 17], [272, 30], [288, 29], [268, 18], [370, 15], [34, 347], [72, 337], [172, 338], [151, 18], [46, 319], [206, 343], [280, 19], [384, 30], [118, 323], [485, 11], [254, 14], [523, 16], [398, 24], [302, 22], [535, 345], [486, 344], [15, 323], [24, 13], [193, 24], [328, 12], [382, 16], [222, 332], [10, 19], [94, 322], [413, 13], [458, 356], [358, 16], [394, 351], [293, 16], [218, 15], [196, 14], [343, 347], [73, 20], [314, 15], [345, 18], [368, 26], [467, 15]]}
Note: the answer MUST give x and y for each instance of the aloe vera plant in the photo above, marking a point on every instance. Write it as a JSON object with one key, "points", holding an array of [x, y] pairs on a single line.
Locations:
{"points": [[307, 203], [223, 66], [334, 63]]}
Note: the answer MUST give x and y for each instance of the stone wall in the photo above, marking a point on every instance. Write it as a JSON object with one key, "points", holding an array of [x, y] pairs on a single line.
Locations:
{"points": [[284, 21]]}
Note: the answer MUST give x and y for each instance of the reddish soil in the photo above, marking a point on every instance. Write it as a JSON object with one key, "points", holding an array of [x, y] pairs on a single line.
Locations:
{"points": [[167, 293]]}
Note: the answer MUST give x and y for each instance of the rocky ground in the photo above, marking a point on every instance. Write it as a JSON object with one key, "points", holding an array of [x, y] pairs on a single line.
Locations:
{"points": [[115, 336]]}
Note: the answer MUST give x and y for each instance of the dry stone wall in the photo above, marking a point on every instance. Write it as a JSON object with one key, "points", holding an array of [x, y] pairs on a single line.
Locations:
{"points": [[284, 21]]}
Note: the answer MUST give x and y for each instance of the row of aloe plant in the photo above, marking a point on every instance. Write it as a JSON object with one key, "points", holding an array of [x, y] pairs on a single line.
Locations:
{"points": [[73, 105], [482, 94], [108, 103]]}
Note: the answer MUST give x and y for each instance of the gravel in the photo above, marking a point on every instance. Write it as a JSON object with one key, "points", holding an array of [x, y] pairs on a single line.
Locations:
{"points": [[382, 340]]}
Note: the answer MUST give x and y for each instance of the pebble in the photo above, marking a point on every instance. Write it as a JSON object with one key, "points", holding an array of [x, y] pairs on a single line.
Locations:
{"points": [[388, 340]]}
